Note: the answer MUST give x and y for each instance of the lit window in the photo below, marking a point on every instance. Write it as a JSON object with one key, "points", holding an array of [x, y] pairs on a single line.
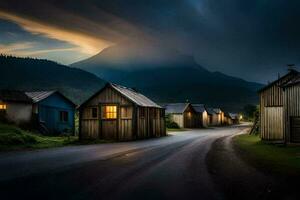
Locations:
{"points": [[2, 106], [110, 112]]}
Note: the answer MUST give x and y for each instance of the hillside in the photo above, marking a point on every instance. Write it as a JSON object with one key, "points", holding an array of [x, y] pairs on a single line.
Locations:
{"points": [[168, 76], [35, 74]]}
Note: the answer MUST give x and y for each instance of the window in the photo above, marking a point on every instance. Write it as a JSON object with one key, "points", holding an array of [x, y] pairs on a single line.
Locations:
{"points": [[142, 112], [126, 112], [63, 116], [109, 112], [94, 113], [2, 106]]}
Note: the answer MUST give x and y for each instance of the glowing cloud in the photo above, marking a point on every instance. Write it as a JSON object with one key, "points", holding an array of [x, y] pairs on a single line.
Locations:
{"points": [[88, 44]]}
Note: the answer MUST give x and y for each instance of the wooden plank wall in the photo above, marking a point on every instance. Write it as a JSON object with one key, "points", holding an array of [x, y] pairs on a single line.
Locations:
{"points": [[272, 97], [90, 128], [178, 118], [292, 107], [152, 124]]}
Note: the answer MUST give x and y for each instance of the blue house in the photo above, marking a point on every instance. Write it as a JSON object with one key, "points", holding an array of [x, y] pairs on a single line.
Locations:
{"points": [[53, 112]]}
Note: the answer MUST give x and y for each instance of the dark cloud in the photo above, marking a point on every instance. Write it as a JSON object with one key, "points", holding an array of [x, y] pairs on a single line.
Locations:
{"points": [[253, 39]]}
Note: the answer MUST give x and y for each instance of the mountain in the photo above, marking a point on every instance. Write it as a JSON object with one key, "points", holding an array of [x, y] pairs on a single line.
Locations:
{"points": [[168, 76], [35, 74]]}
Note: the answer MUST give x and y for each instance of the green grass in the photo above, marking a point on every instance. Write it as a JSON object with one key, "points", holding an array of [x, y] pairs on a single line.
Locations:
{"points": [[269, 157], [176, 129], [14, 138]]}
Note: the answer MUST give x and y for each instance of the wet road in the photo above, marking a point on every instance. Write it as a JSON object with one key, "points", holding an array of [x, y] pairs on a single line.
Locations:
{"points": [[172, 167]]}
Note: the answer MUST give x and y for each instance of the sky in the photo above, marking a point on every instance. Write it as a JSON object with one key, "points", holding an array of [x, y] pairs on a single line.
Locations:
{"points": [[251, 39]]}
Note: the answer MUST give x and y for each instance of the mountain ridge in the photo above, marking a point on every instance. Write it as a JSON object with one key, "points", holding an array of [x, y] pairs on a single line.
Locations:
{"points": [[175, 79]]}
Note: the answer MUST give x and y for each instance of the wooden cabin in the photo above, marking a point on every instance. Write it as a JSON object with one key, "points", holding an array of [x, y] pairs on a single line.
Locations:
{"points": [[235, 118], [202, 114], [215, 116], [119, 113], [183, 114], [227, 119], [15, 107], [272, 121], [53, 112], [210, 114]]}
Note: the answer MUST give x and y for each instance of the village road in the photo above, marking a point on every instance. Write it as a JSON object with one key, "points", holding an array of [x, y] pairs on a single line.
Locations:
{"points": [[172, 167]]}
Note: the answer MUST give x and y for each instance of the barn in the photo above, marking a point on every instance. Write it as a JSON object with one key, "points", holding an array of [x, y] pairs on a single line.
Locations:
{"points": [[15, 107], [183, 114], [215, 116], [219, 119], [53, 112], [272, 122], [202, 114], [119, 113]]}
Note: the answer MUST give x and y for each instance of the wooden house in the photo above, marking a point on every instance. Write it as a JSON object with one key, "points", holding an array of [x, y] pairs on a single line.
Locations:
{"points": [[210, 115], [119, 113], [272, 121], [15, 106], [53, 112], [235, 118], [202, 114], [227, 119], [215, 116], [183, 114]]}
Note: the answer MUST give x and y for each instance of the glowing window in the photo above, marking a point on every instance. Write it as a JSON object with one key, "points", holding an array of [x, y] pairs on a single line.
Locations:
{"points": [[2, 106], [110, 112]]}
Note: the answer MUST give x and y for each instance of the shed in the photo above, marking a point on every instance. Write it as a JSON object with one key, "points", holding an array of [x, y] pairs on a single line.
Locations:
{"points": [[214, 116], [202, 114], [119, 113], [227, 118], [272, 121], [53, 112], [219, 120], [15, 106], [183, 114]]}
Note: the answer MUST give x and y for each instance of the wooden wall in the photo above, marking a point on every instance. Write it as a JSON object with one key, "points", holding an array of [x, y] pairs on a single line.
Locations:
{"points": [[150, 122], [190, 118], [205, 119], [271, 111], [178, 118], [291, 108], [90, 127]]}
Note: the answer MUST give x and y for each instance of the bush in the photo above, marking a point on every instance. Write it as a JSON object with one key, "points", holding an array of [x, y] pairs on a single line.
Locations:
{"points": [[173, 125]]}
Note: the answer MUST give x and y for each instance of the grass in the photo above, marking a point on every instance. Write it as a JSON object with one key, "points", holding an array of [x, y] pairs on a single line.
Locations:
{"points": [[14, 138], [269, 157], [176, 129]]}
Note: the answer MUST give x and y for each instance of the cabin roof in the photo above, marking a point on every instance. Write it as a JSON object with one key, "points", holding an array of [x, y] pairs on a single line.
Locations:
{"points": [[233, 115], [15, 96], [286, 77], [200, 108], [176, 108], [134, 96], [295, 80], [210, 111], [217, 110], [38, 96], [129, 93]]}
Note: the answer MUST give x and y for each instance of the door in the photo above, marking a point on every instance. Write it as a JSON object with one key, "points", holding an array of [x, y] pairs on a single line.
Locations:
{"points": [[295, 129], [109, 121]]}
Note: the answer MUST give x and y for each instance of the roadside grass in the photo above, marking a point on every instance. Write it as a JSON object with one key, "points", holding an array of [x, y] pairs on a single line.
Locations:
{"points": [[14, 138], [176, 129], [269, 157]]}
